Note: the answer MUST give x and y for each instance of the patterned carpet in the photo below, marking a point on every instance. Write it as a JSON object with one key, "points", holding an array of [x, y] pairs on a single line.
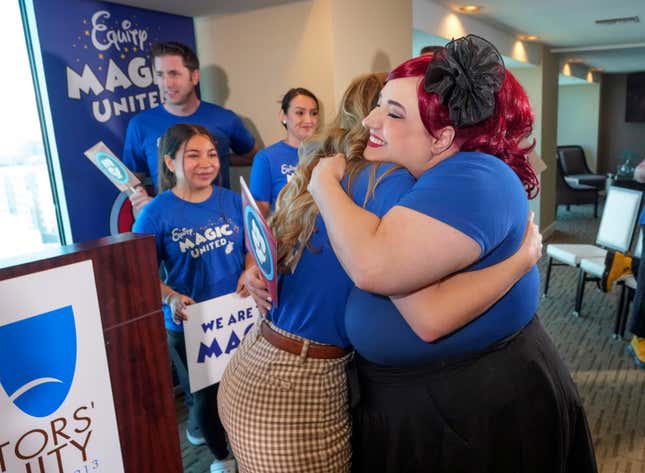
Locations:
{"points": [[612, 389]]}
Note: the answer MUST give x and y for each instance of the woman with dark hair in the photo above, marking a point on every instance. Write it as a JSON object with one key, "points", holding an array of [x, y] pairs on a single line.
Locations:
{"points": [[184, 218], [274, 166], [492, 396], [284, 398]]}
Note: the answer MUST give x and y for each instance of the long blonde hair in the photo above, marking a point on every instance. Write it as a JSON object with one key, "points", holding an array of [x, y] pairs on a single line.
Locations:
{"points": [[294, 219]]}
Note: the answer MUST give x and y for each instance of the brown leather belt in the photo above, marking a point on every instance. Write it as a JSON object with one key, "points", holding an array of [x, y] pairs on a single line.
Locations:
{"points": [[292, 345]]}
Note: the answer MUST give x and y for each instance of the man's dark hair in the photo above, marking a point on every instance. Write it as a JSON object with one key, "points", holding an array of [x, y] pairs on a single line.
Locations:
{"points": [[175, 49], [431, 49]]}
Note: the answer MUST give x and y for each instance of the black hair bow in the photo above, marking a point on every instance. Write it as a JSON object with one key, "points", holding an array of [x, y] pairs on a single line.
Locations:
{"points": [[466, 77]]}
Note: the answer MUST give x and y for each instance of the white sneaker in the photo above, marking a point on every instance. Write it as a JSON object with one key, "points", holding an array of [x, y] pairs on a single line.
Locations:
{"points": [[195, 438], [227, 465]]}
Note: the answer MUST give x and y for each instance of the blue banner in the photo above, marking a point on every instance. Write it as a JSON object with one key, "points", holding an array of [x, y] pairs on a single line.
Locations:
{"points": [[98, 75]]}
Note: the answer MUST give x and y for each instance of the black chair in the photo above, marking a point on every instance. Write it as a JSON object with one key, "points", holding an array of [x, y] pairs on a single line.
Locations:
{"points": [[576, 184]]}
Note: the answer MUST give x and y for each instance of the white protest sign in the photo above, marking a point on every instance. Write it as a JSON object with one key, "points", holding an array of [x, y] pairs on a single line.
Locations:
{"points": [[56, 400], [213, 332]]}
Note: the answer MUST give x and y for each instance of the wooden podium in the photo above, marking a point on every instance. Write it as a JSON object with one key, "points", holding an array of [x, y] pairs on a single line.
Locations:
{"points": [[127, 285]]}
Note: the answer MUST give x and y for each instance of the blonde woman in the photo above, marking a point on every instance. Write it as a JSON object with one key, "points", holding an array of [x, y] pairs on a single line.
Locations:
{"points": [[284, 398]]}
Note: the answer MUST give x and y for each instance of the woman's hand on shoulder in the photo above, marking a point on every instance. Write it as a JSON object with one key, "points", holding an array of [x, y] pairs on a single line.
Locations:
{"points": [[531, 248], [329, 169], [257, 288]]}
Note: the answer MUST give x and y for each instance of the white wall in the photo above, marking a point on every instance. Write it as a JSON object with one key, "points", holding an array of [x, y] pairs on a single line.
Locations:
{"points": [[531, 80], [369, 36], [579, 118], [250, 59]]}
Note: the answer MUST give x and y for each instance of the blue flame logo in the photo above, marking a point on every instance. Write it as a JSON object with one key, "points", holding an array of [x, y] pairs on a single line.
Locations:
{"points": [[37, 361]]}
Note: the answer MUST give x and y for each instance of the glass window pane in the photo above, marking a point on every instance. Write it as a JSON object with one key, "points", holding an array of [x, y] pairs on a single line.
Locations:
{"points": [[27, 214]]}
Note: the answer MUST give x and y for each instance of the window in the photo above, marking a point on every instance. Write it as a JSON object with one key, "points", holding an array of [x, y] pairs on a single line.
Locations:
{"points": [[28, 221]]}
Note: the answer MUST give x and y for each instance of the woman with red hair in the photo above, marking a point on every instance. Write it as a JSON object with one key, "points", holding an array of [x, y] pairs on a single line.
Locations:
{"points": [[492, 396]]}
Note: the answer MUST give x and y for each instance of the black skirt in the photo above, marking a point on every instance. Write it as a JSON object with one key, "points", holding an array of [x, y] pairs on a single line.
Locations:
{"points": [[510, 409]]}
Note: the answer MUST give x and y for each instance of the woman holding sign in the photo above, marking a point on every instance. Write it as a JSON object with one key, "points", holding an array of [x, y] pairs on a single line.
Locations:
{"points": [[284, 398], [200, 240], [493, 396]]}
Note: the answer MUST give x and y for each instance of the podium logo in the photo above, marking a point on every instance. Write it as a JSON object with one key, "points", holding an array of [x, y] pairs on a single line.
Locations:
{"points": [[40, 354]]}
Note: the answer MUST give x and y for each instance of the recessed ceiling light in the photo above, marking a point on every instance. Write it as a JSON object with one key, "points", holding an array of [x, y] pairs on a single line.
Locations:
{"points": [[470, 8], [530, 37]]}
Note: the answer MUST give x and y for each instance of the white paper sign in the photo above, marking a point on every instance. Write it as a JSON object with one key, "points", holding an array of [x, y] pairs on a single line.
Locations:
{"points": [[56, 400], [213, 332]]}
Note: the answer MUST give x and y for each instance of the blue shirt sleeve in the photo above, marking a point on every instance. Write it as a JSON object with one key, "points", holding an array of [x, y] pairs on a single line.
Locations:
{"points": [[147, 224], [462, 192], [133, 153], [261, 183], [242, 140], [237, 205], [390, 187]]}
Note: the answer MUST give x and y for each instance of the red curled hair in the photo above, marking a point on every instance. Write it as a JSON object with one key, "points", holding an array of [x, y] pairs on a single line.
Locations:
{"points": [[501, 135]]}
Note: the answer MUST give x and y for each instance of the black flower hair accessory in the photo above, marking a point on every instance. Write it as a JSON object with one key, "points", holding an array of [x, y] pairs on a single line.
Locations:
{"points": [[466, 77]]}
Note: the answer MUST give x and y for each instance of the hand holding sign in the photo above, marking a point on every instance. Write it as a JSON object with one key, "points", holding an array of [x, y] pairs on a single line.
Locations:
{"points": [[106, 161], [260, 241], [257, 287]]}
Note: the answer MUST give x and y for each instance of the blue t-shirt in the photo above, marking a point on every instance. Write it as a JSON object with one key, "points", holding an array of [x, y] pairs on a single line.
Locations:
{"points": [[200, 244], [272, 169], [312, 299], [482, 197], [642, 218], [145, 129]]}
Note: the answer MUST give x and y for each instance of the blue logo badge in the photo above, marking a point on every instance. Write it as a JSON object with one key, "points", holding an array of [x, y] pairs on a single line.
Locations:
{"points": [[39, 359], [112, 167], [259, 242]]}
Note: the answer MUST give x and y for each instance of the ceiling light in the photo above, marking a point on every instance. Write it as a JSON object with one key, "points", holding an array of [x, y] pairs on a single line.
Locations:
{"points": [[470, 8], [575, 60], [566, 70], [529, 37]]}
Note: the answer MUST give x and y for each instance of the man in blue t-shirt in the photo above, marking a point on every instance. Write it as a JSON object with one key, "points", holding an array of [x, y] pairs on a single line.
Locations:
{"points": [[176, 69]]}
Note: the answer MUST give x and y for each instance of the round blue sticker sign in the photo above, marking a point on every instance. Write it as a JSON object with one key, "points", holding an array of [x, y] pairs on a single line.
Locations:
{"points": [[259, 242], [112, 166]]}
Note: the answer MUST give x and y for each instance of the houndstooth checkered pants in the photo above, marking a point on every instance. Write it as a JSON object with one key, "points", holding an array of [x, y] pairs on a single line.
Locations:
{"points": [[285, 413]]}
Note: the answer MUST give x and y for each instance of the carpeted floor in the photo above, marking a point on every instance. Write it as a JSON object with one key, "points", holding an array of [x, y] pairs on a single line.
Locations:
{"points": [[612, 388]]}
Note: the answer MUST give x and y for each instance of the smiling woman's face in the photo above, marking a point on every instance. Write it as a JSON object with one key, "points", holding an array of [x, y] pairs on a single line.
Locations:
{"points": [[396, 132]]}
